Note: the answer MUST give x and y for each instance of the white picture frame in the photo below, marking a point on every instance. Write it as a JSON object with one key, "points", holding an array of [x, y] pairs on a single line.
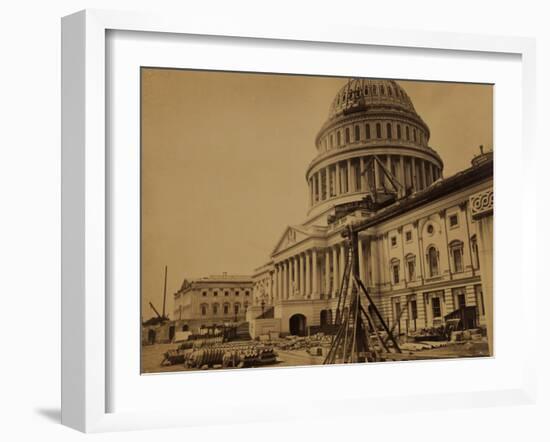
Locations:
{"points": [[86, 202]]}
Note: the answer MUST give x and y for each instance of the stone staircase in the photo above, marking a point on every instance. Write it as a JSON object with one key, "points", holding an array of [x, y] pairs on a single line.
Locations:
{"points": [[242, 333]]}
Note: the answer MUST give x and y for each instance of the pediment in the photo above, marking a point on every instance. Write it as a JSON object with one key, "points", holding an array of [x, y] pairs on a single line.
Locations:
{"points": [[291, 236]]}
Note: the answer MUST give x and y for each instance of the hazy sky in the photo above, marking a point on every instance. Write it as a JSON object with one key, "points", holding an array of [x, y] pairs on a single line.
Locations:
{"points": [[224, 157]]}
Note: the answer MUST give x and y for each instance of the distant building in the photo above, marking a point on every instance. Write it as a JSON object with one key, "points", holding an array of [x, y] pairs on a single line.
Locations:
{"points": [[212, 300], [422, 257]]}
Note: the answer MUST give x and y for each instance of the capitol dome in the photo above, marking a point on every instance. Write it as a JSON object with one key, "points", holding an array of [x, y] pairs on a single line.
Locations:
{"points": [[370, 117]]}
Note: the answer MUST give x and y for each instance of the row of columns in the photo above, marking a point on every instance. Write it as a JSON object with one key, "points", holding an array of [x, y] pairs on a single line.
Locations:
{"points": [[344, 178], [314, 273]]}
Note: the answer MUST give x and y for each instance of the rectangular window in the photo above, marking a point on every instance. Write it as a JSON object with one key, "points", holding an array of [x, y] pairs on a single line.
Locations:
{"points": [[396, 273], [411, 268], [236, 293], [414, 310], [367, 127], [215, 293], [393, 241], [436, 307], [226, 293], [247, 293], [457, 258], [453, 220], [203, 293], [408, 236]]}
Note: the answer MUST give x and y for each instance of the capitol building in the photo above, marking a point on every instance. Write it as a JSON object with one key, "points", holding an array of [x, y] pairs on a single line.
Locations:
{"points": [[425, 251]]}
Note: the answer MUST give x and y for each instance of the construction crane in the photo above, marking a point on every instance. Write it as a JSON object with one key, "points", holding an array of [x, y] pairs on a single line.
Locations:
{"points": [[358, 327], [362, 334]]}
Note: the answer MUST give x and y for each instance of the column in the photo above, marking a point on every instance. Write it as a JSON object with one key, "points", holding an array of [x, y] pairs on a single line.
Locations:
{"points": [[327, 272], [374, 260], [364, 186], [342, 264], [271, 294], [482, 212], [314, 280], [388, 167], [430, 173], [414, 179], [423, 174], [361, 260], [278, 282], [349, 176], [303, 274], [335, 272], [377, 175], [319, 191], [338, 176], [307, 275], [402, 178], [295, 276], [285, 279], [311, 191]]}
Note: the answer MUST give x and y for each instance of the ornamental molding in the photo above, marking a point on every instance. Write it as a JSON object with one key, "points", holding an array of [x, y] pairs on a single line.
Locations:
{"points": [[482, 204]]}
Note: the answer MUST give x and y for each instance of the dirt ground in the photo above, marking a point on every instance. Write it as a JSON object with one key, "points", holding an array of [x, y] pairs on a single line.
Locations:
{"points": [[152, 356]]}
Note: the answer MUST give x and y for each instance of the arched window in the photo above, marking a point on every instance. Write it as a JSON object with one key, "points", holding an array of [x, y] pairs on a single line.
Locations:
{"points": [[367, 129], [215, 308], [226, 308], [382, 90], [338, 138], [414, 135], [398, 131], [374, 91], [389, 131], [407, 133], [433, 261], [390, 91], [204, 309], [378, 130], [236, 308], [347, 135], [357, 133], [456, 249], [366, 90], [331, 141], [475, 252]]}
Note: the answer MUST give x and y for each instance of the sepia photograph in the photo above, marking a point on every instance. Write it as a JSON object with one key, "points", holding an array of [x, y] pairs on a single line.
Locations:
{"points": [[294, 220]]}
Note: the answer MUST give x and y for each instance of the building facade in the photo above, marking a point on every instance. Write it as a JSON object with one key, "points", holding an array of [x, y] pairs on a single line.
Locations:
{"points": [[422, 257], [212, 300]]}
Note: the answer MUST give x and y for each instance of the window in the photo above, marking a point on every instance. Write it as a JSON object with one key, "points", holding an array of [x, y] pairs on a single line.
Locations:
{"points": [[433, 261], [398, 131], [395, 272], [215, 293], [367, 128], [203, 293], [236, 293], [382, 91], [388, 130], [390, 93], [226, 309], [204, 309], [411, 267], [408, 235], [453, 220], [347, 135], [430, 229], [414, 135], [374, 91], [436, 307], [393, 241], [215, 309], [226, 293], [407, 133], [247, 293], [459, 298], [456, 253], [236, 308], [331, 141], [357, 133], [378, 131], [338, 138], [414, 310]]}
